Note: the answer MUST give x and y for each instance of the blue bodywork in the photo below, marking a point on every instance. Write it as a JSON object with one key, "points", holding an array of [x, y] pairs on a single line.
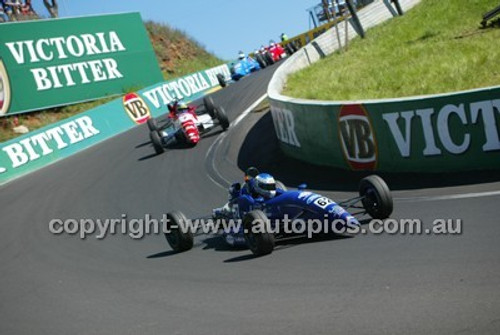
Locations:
{"points": [[294, 204], [244, 67]]}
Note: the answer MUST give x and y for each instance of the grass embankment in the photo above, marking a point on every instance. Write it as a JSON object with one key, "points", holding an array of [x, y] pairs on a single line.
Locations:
{"points": [[177, 55], [436, 47]]}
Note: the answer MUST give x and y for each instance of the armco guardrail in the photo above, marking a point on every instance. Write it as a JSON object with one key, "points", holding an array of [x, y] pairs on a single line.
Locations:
{"points": [[49, 144], [450, 132]]}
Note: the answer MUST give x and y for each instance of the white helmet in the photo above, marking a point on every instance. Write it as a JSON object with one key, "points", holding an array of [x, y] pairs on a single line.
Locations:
{"points": [[265, 185], [241, 55]]}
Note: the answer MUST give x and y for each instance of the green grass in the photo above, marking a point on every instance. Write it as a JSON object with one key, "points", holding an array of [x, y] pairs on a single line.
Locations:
{"points": [[192, 65], [177, 53], [436, 47]]}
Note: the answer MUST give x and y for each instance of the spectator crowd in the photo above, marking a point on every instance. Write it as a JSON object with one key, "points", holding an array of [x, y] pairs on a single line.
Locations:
{"points": [[16, 10], [21, 10]]}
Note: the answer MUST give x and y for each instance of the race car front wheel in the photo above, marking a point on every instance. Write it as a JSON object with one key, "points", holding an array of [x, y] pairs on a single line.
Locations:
{"points": [[269, 59], [377, 199], [221, 80], [257, 233], [221, 115], [209, 104], [179, 235], [261, 61], [156, 140], [152, 124]]}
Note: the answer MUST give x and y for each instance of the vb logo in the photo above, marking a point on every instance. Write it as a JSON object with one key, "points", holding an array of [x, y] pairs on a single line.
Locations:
{"points": [[357, 138], [136, 108]]}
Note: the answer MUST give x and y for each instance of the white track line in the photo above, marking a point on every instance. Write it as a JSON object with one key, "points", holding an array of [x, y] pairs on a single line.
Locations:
{"points": [[449, 197], [248, 111], [212, 147], [221, 138]]}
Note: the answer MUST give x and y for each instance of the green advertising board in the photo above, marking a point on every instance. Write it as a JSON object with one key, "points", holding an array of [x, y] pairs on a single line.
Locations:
{"points": [[451, 132], [47, 63], [47, 145]]}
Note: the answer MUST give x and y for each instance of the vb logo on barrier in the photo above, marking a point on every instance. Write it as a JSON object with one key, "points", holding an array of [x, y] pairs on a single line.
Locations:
{"points": [[4, 90], [357, 138], [136, 108]]}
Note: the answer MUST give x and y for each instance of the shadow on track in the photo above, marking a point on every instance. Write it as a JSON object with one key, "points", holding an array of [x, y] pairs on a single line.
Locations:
{"points": [[289, 243], [217, 243], [162, 254], [175, 146], [260, 148]]}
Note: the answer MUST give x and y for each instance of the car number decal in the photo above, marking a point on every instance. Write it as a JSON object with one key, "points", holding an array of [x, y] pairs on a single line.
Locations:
{"points": [[323, 202]]}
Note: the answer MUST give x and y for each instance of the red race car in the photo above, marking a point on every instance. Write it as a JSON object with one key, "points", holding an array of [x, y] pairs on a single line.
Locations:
{"points": [[276, 51], [185, 125]]}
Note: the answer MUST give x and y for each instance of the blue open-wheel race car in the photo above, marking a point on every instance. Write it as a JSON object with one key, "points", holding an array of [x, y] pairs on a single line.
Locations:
{"points": [[257, 221]]}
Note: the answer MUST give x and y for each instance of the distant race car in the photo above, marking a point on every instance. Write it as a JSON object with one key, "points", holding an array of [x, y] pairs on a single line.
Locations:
{"points": [[263, 57], [243, 67], [374, 199], [185, 125], [277, 51]]}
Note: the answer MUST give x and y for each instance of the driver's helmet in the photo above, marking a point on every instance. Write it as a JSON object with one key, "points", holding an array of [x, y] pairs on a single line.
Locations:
{"points": [[241, 55], [182, 107], [264, 185]]}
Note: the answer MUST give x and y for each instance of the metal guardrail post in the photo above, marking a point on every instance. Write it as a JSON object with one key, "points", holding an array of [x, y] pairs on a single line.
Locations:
{"points": [[355, 18], [398, 7]]}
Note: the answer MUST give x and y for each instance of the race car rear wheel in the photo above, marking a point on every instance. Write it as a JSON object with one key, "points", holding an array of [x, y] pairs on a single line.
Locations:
{"points": [[269, 59], [221, 115], [257, 233], [261, 61], [209, 104], [377, 199], [152, 124], [221, 80], [156, 140], [178, 239]]}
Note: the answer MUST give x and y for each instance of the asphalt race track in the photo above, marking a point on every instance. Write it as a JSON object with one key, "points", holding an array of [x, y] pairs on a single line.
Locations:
{"points": [[369, 284]]}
